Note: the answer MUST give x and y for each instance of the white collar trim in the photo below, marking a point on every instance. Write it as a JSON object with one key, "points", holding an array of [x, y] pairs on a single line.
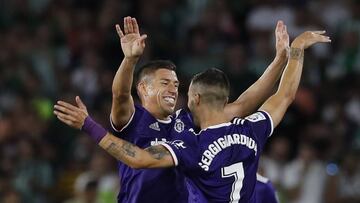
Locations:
{"points": [[212, 127], [167, 121]]}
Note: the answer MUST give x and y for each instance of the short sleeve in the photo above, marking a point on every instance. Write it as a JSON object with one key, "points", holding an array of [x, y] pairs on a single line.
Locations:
{"points": [[126, 125], [181, 152], [175, 154], [260, 123], [130, 128]]}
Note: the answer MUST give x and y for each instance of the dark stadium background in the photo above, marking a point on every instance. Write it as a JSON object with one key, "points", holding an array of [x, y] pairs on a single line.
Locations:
{"points": [[57, 49]]}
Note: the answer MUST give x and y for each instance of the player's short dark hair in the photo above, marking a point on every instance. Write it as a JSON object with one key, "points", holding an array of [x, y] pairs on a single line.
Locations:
{"points": [[152, 66], [214, 84]]}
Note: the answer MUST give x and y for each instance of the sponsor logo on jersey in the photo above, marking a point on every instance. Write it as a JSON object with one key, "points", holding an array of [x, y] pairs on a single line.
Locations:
{"points": [[157, 142], [179, 126], [178, 144], [155, 126]]}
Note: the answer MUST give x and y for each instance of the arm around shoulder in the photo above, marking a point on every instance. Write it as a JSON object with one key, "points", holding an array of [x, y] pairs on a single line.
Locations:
{"points": [[135, 157]]}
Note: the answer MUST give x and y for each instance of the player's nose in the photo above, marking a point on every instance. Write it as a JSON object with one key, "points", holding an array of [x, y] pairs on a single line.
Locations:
{"points": [[172, 89]]}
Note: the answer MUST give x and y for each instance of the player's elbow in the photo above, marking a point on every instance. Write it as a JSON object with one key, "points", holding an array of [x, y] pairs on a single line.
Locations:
{"points": [[140, 164], [136, 165], [288, 96]]}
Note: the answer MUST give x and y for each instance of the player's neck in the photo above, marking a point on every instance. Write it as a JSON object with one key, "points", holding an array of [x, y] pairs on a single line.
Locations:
{"points": [[156, 113], [211, 117]]}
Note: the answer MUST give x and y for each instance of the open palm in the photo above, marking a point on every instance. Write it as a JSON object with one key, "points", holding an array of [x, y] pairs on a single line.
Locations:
{"points": [[309, 38], [132, 43], [282, 38]]}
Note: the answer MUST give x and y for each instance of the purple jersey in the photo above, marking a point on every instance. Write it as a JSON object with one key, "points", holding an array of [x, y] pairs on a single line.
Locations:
{"points": [[222, 160], [152, 185], [265, 192]]}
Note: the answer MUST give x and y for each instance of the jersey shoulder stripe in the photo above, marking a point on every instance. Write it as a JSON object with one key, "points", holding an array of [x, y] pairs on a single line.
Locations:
{"points": [[238, 121]]}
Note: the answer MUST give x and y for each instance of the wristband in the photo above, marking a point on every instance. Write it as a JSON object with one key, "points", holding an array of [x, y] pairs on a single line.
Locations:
{"points": [[93, 129]]}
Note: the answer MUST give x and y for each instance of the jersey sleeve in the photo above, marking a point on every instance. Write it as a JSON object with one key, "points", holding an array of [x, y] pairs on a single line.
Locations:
{"points": [[126, 125], [130, 127], [175, 154], [181, 152], [261, 125]]}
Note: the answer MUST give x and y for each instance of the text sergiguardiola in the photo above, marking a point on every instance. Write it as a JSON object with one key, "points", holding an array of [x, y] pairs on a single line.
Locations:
{"points": [[222, 143]]}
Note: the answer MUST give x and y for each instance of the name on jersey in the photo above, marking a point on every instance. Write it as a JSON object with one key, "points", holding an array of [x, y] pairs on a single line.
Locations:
{"points": [[222, 143]]}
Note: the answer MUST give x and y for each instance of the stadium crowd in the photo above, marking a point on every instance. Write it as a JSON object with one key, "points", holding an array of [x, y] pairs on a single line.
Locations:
{"points": [[57, 49]]}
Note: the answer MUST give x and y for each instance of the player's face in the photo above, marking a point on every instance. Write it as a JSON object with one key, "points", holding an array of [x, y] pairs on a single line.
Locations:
{"points": [[162, 91]]}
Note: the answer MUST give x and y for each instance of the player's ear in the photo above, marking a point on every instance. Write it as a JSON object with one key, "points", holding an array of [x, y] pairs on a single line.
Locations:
{"points": [[197, 98], [142, 90], [227, 101]]}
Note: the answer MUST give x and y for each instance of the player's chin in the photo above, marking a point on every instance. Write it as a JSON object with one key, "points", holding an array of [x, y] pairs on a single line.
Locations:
{"points": [[169, 109]]}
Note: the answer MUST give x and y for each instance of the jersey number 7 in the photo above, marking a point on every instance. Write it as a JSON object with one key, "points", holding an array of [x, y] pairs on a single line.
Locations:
{"points": [[236, 170]]}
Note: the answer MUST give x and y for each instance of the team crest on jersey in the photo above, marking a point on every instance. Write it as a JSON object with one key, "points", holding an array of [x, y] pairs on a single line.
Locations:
{"points": [[256, 117], [179, 126]]}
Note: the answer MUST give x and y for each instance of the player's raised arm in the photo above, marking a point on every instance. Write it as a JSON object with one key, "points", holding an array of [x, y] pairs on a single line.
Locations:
{"points": [[126, 152], [132, 45], [278, 103], [257, 93]]}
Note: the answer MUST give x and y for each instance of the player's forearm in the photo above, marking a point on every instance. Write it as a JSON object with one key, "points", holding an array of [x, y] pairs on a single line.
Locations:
{"points": [[290, 80], [135, 157], [123, 79], [120, 149], [125, 152], [257, 93]]}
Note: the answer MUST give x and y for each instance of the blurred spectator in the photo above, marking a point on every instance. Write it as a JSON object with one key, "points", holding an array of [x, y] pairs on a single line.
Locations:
{"points": [[273, 163], [344, 182], [11, 196], [101, 171], [32, 177], [85, 194], [266, 12], [304, 177], [85, 78]]}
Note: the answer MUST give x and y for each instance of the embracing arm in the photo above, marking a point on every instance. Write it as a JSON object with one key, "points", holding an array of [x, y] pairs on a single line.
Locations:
{"points": [[77, 117], [278, 103], [132, 45], [135, 157], [257, 93]]}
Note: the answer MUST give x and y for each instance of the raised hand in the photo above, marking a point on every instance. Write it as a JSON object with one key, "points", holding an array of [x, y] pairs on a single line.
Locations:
{"points": [[73, 116], [132, 43], [309, 38], [282, 39]]}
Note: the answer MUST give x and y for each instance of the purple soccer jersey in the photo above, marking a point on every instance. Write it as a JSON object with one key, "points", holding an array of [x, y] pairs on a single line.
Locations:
{"points": [[222, 160], [265, 192], [152, 185]]}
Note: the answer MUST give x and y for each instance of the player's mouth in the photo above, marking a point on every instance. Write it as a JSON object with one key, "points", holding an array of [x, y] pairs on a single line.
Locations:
{"points": [[169, 100]]}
